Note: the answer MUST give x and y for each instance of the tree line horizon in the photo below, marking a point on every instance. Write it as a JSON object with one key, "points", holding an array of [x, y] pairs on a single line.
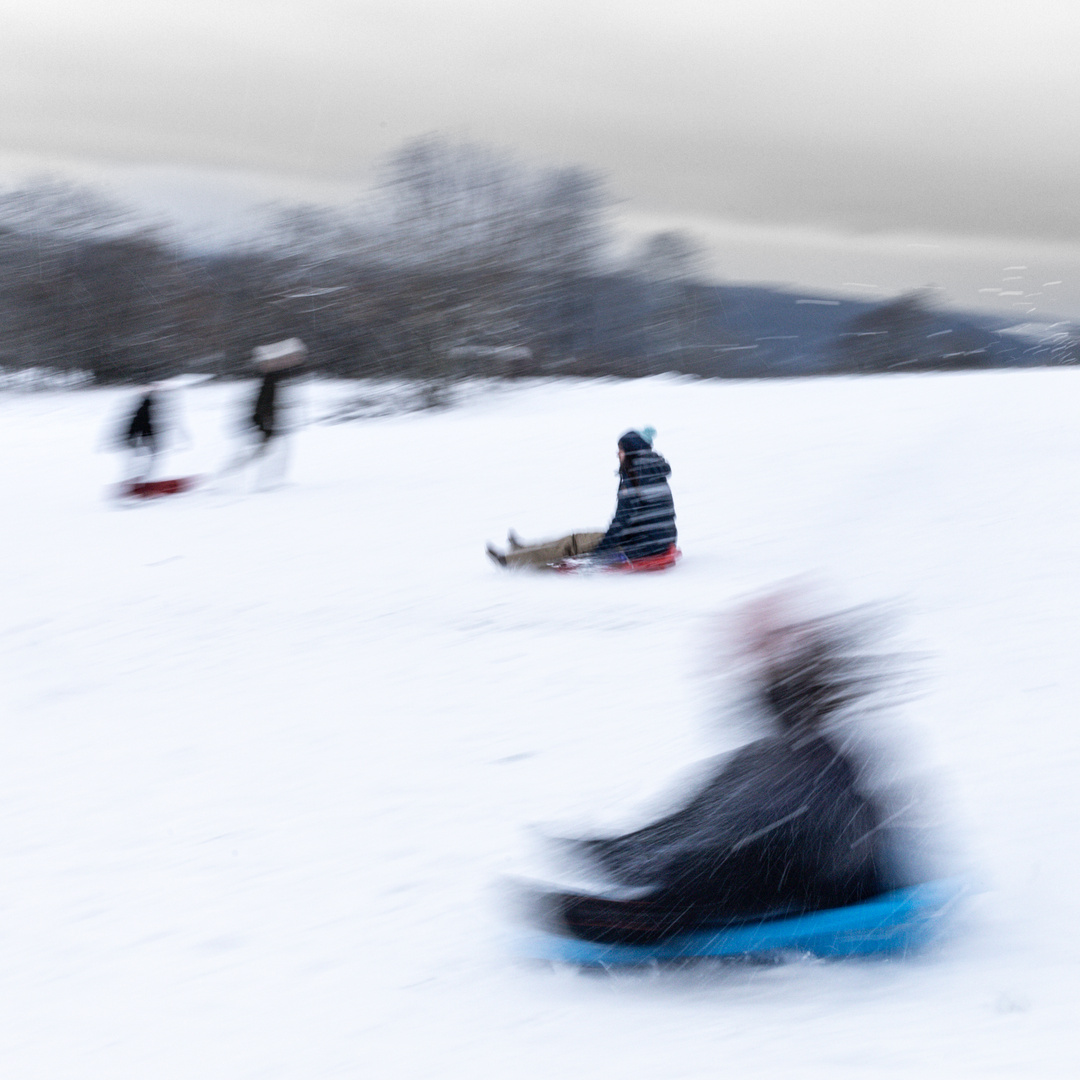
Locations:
{"points": [[464, 262]]}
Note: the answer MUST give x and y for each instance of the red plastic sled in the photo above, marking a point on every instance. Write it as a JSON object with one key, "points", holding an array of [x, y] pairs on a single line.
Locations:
{"points": [[151, 489], [664, 561]]}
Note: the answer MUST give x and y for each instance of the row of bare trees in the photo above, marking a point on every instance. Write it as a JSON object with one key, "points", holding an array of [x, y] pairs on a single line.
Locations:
{"points": [[463, 260]]}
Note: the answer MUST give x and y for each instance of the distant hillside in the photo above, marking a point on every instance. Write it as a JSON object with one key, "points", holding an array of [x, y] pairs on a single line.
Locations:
{"points": [[754, 331]]}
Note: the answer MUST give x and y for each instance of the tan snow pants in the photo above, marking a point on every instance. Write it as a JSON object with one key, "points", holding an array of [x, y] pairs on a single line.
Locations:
{"points": [[551, 551]]}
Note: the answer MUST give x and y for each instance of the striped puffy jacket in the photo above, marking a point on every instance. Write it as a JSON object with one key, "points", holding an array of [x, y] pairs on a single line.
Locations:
{"points": [[644, 521]]}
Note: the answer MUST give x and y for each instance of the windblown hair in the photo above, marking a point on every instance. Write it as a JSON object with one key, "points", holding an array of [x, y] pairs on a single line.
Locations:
{"points": [[813, 674], [627, 470]]}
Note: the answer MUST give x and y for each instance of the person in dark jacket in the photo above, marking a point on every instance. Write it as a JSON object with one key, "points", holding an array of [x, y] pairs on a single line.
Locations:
{"points": [[278, 362], [145, 432], [141, 435], [643, 525], [150, 433], [782, 826], [264, 414]]}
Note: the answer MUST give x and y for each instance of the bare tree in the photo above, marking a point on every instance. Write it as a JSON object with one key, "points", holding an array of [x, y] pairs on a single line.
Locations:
{"points": [[669, 266]]}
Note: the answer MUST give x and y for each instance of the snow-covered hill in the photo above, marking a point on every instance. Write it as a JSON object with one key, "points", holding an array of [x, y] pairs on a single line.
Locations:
{"points": [[267, 755]]}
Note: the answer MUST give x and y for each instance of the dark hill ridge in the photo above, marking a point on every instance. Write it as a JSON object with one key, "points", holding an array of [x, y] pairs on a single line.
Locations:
{"points": [[753, 331]]}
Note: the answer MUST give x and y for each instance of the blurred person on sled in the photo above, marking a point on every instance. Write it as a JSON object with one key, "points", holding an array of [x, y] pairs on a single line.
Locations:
{"points": [[643, 526], [812, 814], [149, 431]]}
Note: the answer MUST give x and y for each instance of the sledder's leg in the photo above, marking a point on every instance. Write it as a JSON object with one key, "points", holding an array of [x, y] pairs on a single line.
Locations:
{"points": [[141, 463], [538, 555], [242, 459], [621, 922], [584, 543], [253, 451], [543, 555], [275, 462]]}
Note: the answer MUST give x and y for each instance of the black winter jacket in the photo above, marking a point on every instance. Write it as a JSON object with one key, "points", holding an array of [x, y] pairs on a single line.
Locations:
{"points": [[783, 824], [264, 416], [644, 521], [781, 827], [142, 429]]}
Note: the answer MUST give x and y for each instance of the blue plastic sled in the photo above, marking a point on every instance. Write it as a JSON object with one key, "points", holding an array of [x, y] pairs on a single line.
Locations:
{"points": [[897, 922]]}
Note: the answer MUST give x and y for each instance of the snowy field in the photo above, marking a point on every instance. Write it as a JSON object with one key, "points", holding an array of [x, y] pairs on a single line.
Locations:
{"points": [[269, 754]]}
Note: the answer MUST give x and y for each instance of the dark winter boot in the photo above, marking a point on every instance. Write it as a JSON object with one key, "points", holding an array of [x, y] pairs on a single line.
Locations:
{"points": [[515, 541], [494, 556]]}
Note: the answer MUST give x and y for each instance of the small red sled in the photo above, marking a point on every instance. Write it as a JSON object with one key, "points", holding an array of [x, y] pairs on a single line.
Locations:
{"points": [[664, 561], [152, 489]]}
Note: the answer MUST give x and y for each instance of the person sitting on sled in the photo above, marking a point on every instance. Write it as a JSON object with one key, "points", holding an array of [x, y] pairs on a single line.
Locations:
{"points": [[643, 525], [141, 435], [152, 429], [782, 827]]}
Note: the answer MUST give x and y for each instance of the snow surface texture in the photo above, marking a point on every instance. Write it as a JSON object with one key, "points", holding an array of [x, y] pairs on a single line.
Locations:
{"points": [[269, 754]]}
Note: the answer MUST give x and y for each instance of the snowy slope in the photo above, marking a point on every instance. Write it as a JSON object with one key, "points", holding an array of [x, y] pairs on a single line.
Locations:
{"points": [[268, 755]]}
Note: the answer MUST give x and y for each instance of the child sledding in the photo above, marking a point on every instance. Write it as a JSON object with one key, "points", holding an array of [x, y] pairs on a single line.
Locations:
{"points": [[641, 536]]}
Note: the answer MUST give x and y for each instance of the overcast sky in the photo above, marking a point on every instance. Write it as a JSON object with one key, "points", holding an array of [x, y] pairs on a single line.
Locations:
{"points": [[820, 141]]}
